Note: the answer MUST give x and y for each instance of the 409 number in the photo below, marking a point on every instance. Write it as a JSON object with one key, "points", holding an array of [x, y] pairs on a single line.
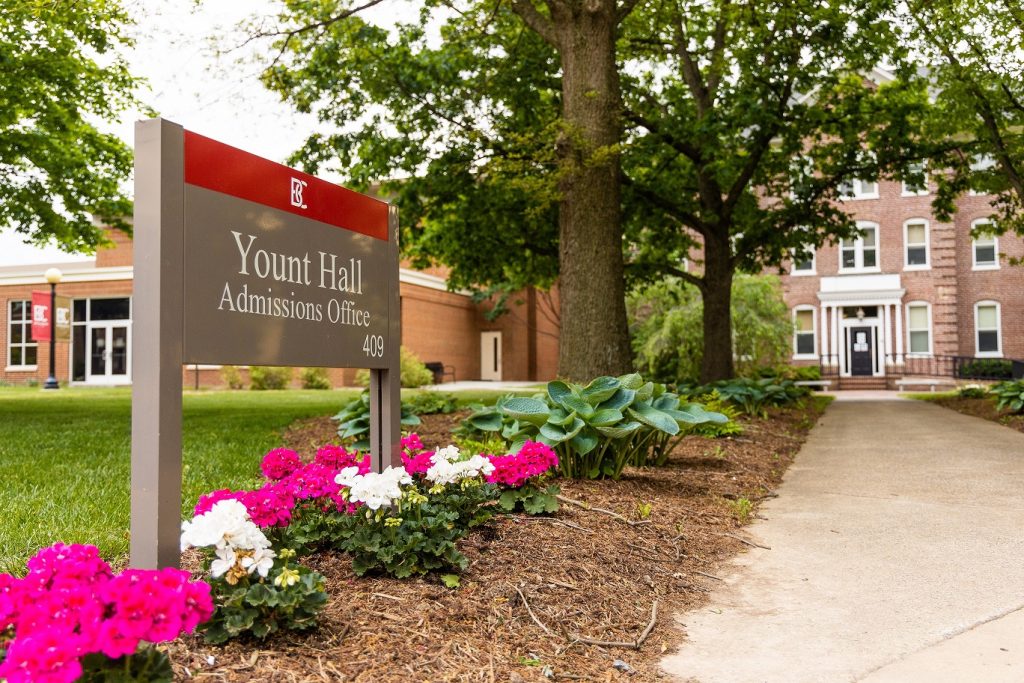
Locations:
{"points": [[373, 345]]}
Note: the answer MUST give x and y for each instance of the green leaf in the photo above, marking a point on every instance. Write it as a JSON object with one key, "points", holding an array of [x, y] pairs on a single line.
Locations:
{"points": [[620, 431], [631, 381], [600, 389], [645, 393], [451, 580], [619, 400], [557, 390], [577, 405], [652, 417], [490, 422], [606, 417], [584, 442], [527, 409]]}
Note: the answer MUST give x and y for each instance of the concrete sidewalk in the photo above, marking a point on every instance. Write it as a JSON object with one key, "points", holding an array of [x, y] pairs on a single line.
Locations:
{"points": [[897, 554]]}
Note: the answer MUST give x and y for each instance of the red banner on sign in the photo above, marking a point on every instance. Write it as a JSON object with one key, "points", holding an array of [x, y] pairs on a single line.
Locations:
{"points": [[222, 168], [41, 316]]}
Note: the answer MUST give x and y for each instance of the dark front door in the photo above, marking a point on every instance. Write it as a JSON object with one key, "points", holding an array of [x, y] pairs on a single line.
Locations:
{"points": [[861, 357]]}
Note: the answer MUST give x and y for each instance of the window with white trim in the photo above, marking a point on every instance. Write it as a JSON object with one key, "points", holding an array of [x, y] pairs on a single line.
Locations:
{"points": [[805, 328], [860, 254], [858, 189], [914, 188], [915, 240], [804, 261], [21, 350], [985, 248], [919, 328], [987, 329]]}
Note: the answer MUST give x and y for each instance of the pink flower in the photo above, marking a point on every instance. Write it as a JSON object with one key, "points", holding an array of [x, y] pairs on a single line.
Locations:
{"points": [[532, 460], [207, 501], [418, 463], [42, 657], [279, 463], [412, 444], [271, 504]]}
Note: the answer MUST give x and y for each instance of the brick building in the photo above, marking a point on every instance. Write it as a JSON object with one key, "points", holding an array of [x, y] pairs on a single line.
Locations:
{"points": [[913, 295], [439, 326]]}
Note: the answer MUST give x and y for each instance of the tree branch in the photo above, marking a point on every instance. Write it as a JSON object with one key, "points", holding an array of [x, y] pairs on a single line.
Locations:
{"points": [[536, 21]]}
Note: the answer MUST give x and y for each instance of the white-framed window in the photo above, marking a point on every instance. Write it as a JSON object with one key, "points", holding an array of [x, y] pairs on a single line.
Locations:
{"points": [[858, 189], [985, 248], [22, 352], [919, 328], [916, 251], [914, 189], [988, 335], [804, 261], [805, 332], [860, 254]]}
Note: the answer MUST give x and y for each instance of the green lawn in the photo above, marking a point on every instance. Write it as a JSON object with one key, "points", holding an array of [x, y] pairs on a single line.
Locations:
{"points": [[65, 455]]}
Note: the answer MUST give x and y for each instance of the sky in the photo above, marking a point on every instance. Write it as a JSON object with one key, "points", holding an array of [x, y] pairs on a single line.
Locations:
{"points": [[214, 93]]}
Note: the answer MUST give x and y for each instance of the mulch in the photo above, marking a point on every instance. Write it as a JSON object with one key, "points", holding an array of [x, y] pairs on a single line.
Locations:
{"points": [[980, 407], [540, 593]]}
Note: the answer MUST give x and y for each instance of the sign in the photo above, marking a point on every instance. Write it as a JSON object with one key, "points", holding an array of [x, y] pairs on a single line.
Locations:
{"points": [[41, 317], [243, 261]]}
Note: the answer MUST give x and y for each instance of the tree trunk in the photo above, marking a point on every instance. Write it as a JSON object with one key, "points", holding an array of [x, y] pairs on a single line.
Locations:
{"points": [[594, 334], [717, 362]]}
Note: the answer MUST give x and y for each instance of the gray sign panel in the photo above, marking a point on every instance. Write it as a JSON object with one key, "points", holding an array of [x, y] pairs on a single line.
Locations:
{"points": [[266, 287]]}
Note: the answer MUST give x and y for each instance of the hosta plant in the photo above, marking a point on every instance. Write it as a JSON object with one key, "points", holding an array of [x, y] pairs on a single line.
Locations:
{"points": [[598, 429], [1009, 396], [354, 421], [754, 396], [257, 591]]}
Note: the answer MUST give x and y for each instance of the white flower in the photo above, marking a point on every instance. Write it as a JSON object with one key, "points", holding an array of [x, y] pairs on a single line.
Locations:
{"points": [[225, 561], [446, 472], [261, 560], [449, 453], [226, 525], [373, 489]]}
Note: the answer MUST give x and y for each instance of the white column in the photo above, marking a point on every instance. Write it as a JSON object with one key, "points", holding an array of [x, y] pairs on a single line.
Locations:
{"points": [[835, 335], [899, 332], [823, 328], [887, 330]]}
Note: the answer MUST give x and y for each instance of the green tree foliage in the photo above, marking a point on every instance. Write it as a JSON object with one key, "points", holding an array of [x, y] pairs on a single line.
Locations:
{"points": [[712, 108], [970, 53], [668, 330], [61, 73]]}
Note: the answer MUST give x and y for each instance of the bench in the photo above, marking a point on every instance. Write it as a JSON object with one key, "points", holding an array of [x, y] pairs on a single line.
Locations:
{"points": [[815, 383], [902, 384], [440, 371]]}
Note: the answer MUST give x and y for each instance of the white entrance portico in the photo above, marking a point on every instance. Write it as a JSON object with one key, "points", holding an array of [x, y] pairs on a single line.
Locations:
{"points": [[861, 323]]}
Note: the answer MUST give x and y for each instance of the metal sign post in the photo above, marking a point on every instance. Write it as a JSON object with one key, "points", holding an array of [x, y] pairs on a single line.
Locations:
{"points": [[241, 260]]}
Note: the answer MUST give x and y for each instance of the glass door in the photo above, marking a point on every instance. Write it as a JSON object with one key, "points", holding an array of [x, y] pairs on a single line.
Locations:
{"points": [[108, 353]]}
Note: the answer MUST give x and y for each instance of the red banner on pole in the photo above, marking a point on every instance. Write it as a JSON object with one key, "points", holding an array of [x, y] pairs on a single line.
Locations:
{"points": [[41, 316]]}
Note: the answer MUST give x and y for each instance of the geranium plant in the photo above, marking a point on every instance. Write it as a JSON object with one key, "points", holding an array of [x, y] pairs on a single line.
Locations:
{"points": [[523, 479], [71, 618], [257, 591]]}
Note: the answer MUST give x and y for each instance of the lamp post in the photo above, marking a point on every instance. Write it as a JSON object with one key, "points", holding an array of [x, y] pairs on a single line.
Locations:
{"points": [[53, 276]]}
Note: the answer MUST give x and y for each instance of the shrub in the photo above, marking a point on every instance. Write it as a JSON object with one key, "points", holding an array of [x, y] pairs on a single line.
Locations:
{"points": [[431, 403], [413, 373], [268, 377], [987, 368], [257, 591], [232, 377], [972, 391], [1009, 396], [797, 373], [667, 327], [354, 421], [315, 378]]}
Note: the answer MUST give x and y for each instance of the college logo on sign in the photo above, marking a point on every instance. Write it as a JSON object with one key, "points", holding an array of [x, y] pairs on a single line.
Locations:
{"points": [[297, 187], [40, 314]]}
